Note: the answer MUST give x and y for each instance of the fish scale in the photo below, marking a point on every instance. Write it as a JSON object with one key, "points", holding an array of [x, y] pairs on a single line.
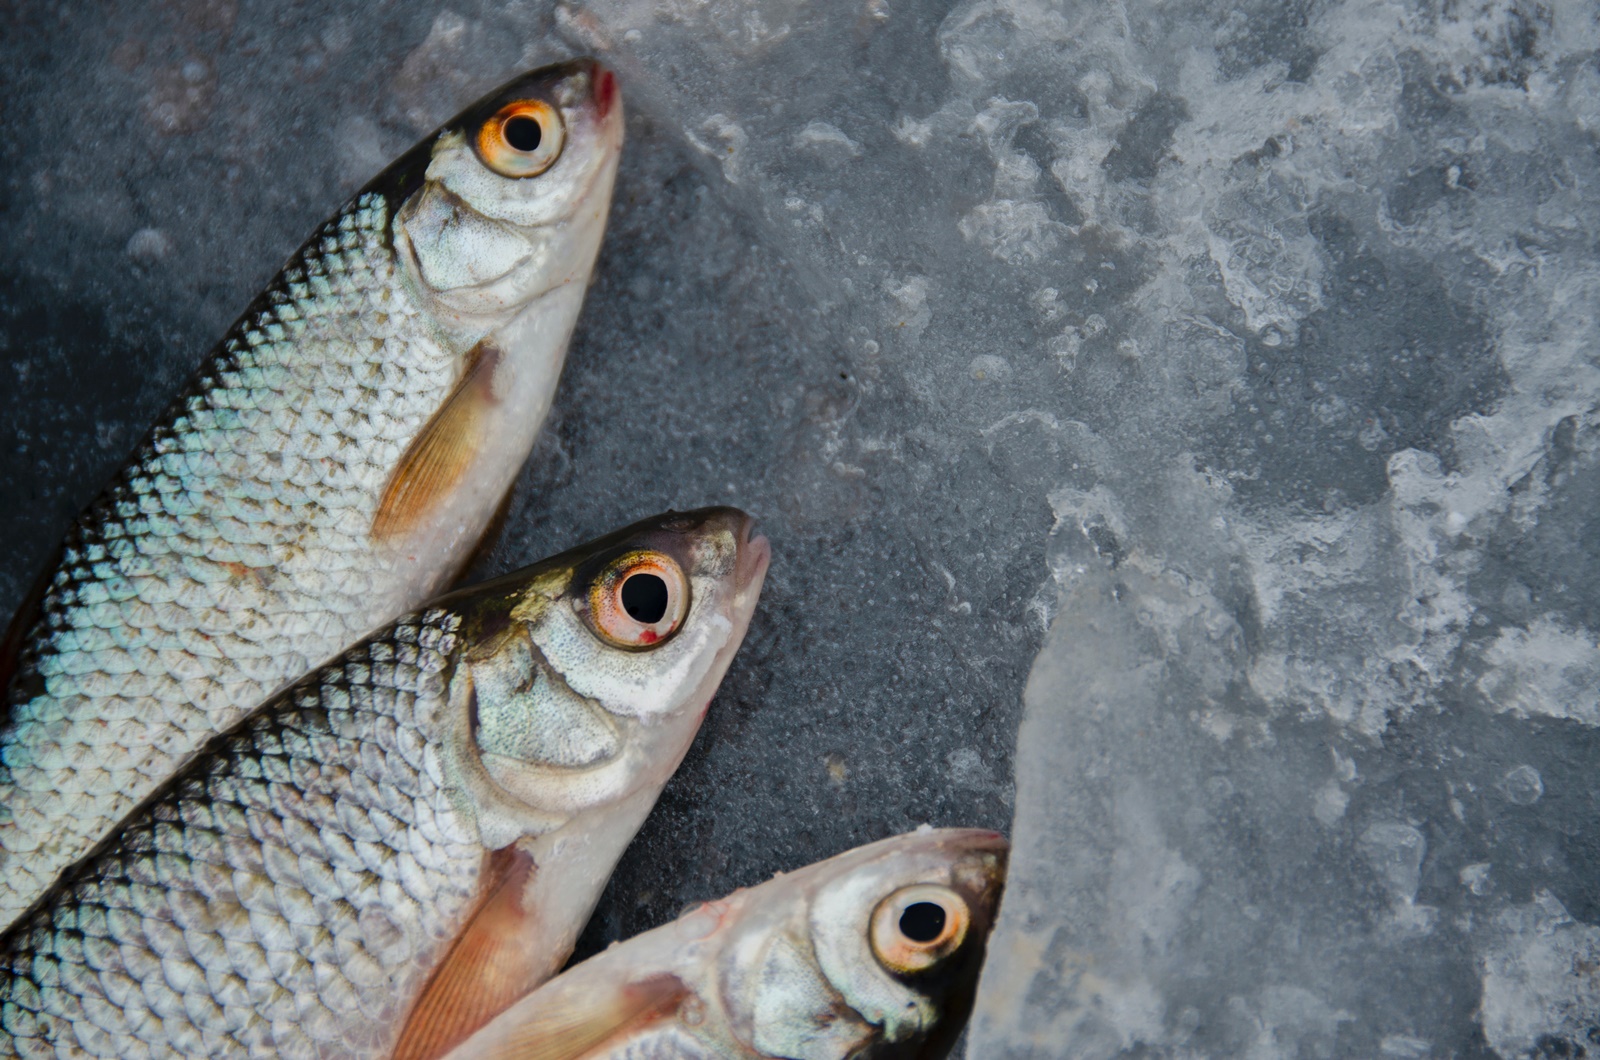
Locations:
{"points": [[228, 913], [259, 528], [179, 598], [303, 883]]}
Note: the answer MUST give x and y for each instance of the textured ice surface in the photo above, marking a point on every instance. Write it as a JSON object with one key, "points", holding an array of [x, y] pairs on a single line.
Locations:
{"points": [[1240, 353]]}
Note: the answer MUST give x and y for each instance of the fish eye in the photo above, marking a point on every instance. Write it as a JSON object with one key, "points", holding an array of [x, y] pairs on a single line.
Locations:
{"points": [[639, 600], [522, 139], [922, 921], [917, 927]]}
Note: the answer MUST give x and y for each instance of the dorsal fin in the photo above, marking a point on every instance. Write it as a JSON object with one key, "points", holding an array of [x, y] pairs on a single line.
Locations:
{"points": [[442, 452], [487, 967], [571, 1024]]}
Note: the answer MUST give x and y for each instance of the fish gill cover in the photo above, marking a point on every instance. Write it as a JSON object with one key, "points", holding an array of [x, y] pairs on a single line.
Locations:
{"points": [[1226, 365]]}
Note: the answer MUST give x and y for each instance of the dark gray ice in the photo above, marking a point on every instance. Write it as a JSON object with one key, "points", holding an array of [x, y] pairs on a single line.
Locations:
{"points": [[1230, 366]]}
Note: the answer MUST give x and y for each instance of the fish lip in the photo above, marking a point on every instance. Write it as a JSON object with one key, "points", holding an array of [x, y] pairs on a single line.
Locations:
{"points": [[979, 839], [754, 556], [966, 843]]}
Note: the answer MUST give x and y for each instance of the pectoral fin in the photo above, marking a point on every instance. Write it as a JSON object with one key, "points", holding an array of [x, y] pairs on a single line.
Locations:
{"points": [[569, 1025], [442, 452], [490, 964]]}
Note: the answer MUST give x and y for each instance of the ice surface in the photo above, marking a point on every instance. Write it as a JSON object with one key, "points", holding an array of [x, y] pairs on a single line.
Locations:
{"points": [[1240, 354]]}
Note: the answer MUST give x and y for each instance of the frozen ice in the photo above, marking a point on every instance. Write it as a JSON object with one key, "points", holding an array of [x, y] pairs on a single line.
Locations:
{"points": [[1523, 785], [1539, 986], [1209, 388]]}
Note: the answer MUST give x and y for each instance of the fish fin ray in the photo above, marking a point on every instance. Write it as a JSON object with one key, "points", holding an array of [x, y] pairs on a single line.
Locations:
{"points": [[573, 1027], [488, 966], [441, 453]]}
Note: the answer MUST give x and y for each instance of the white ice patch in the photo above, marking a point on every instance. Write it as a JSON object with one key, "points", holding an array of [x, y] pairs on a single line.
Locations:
{"points": [[1541, 977], [721, 138], [1545, 669], [1405, 1046], [1289, 1021], [1015, 225], [827, 142], [909, 313], [1017, 233], [1329, 803]]}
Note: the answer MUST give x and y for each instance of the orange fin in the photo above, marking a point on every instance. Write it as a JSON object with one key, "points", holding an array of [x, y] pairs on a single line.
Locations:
{"points": [[567, 1027], [490, 964], [442, 451]]}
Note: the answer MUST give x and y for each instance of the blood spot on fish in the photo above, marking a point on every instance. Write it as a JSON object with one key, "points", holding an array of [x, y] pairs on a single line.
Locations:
{"points": [[605, 90], [239, 570], [648, 637]]}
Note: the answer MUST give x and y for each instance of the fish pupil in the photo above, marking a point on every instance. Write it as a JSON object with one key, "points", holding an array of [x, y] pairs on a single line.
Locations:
{"points": [[644, 597], [522, 133], [922, 921]]}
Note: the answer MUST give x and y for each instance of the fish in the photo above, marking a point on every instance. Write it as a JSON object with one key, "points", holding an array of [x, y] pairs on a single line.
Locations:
{"points": [[333, 464], [386, 854], [875, 952]]}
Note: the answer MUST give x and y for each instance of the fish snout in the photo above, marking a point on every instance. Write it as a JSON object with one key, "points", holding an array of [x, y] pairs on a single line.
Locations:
{"points": [[603, 88], [981, 858], [755, 553]]}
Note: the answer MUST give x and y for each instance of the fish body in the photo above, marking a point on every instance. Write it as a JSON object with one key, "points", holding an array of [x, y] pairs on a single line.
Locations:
{"points": [[872, 953], [332, 465], [391, 850]]}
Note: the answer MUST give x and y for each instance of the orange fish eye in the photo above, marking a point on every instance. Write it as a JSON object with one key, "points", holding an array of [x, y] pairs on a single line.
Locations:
{"points": [[917, 927], [522, 139], [639, 600]]}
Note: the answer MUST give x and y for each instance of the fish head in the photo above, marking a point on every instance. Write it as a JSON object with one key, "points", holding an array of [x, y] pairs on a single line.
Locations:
{"points": [[873, 953], [514, 198], [588, 677], [882, 959], [574, 690]]}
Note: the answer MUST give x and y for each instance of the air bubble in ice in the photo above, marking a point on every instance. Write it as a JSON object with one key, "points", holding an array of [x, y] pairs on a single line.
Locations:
{"points": [[1523, 785], [149, 245]]}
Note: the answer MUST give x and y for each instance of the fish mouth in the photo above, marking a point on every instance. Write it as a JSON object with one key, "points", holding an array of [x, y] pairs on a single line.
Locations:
{"points": [[602, 88], [754, 555]]}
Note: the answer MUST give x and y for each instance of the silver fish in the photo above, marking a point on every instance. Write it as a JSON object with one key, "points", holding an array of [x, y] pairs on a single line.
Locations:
{"points": [[332, 465], [389, 852], [874, 953]]}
